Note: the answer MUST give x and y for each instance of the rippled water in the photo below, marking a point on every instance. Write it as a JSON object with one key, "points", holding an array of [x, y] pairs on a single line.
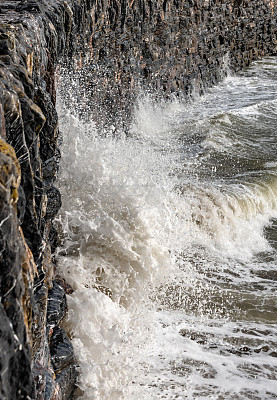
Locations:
{"points": [[170, 239]]}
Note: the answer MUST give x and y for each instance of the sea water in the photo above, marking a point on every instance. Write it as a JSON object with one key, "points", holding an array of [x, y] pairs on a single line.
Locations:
{"points": [[169, 242]]}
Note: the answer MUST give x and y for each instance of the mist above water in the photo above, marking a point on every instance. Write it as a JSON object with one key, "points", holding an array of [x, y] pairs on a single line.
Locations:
{"points": [[170, 245]]}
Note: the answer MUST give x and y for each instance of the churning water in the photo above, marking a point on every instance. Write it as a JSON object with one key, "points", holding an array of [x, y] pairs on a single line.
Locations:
{"points": [[170, 244]]}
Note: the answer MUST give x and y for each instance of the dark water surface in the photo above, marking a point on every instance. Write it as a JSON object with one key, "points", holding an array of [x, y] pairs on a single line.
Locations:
{"points": [[170, 245]]}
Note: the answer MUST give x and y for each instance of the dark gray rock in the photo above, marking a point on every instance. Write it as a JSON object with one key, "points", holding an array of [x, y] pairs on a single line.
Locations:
{"points": [[21, 204], [61, 350], [57, 305], [15, 370], [66, 379], [54, 202]]}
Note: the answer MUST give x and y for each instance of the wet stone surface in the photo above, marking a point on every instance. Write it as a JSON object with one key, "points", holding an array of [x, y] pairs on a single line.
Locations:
{"points": [[166, 49], [61, 350], [57, 306], [34, 36]]}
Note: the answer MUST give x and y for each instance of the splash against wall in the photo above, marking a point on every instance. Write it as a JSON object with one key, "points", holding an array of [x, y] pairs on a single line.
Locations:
{"points": [[161, 44]]}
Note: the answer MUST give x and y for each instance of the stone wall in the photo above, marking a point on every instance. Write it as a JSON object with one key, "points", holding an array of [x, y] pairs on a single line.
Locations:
{"points": [[166, 47], [34, 35], [116, 48]]}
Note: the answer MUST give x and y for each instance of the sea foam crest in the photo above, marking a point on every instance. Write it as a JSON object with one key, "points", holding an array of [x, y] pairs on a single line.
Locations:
{"points": [[116, 218]]}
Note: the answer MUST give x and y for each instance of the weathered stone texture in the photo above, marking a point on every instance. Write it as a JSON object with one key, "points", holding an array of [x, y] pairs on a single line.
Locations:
{"points": [[116, 48], [166, 47], [15, 352], [34, 35]]}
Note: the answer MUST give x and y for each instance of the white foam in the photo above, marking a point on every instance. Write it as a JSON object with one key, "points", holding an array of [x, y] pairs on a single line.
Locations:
{"points": [[116, 217], [132, 215]]}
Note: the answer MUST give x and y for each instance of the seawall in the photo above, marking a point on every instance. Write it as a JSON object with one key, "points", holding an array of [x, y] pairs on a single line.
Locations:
{"points": [[118, 48]]}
